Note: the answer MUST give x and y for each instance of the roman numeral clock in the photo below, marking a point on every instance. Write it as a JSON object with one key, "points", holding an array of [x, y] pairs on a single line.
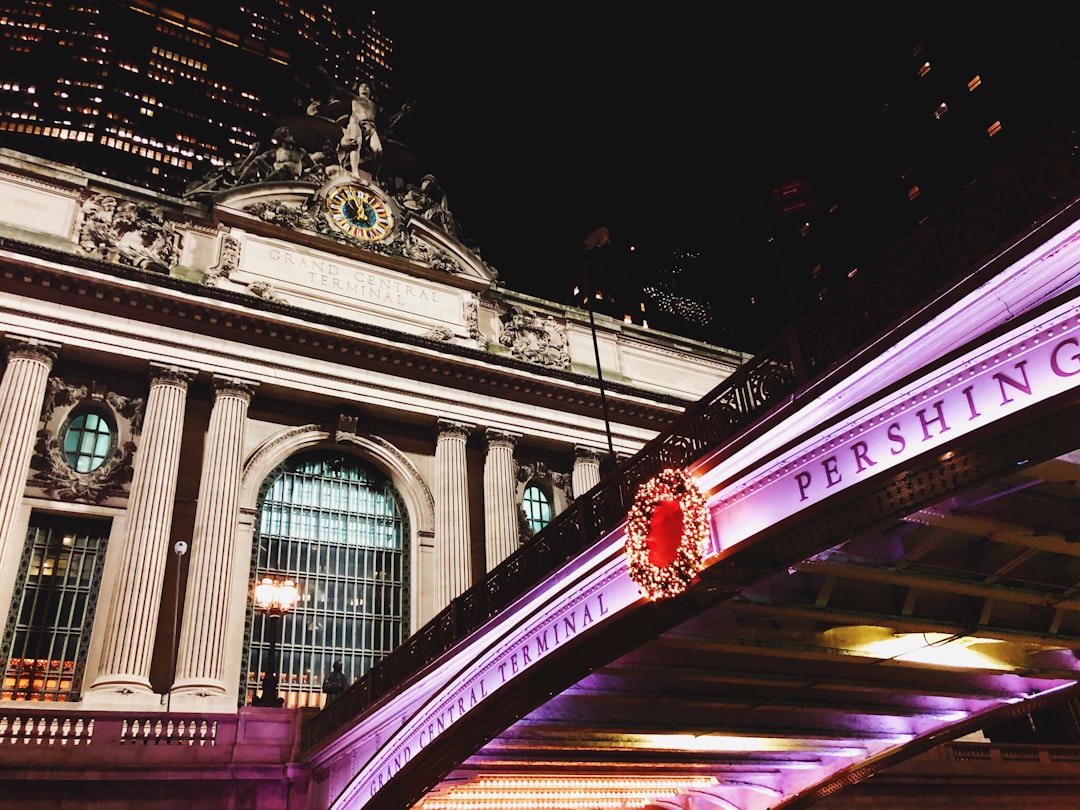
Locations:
{"points": [[359, 212]]}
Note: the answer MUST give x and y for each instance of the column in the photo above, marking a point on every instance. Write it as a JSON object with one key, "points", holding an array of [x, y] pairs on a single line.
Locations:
{"points": [[200, 667], [22, 392], [586, 474], [453, 556], [500, 498], [129, 635]]}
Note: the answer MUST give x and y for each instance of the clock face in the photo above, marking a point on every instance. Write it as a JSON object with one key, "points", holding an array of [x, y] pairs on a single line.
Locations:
{"points": [[359, 213]]}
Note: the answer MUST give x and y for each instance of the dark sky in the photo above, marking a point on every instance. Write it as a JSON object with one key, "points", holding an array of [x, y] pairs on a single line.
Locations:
{"points": [[542, 123]]}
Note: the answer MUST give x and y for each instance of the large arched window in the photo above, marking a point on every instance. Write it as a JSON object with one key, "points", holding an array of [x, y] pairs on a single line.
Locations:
{"points": [[537, 505], [338, 529]]}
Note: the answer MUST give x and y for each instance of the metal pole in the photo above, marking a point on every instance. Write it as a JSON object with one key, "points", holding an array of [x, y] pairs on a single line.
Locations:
{"points": [[597, 238], [180, 547]]}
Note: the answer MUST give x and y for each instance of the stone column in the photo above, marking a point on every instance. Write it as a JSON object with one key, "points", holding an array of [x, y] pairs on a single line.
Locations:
{"points": [[500, 501], [200, 663], [22, 392], [586, 473], [453, 557], [129, 635]]}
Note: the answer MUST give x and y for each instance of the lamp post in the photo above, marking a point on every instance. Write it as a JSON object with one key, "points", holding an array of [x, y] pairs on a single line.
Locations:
{"points": [[273, 599]]}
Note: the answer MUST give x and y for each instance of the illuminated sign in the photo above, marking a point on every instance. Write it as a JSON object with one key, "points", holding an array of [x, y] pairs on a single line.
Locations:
{"points": [[996, 381], [578, 606]]}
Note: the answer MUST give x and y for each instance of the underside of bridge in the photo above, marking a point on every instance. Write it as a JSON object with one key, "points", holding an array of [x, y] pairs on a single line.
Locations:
{"points": [[941, 602]]}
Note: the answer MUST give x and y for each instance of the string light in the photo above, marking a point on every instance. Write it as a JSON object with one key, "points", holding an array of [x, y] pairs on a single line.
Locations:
{"points": [[562, 793]]}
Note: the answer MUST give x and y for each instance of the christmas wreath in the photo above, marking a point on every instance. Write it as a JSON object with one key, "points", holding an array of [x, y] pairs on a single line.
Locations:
{"points": [[667, 532]]}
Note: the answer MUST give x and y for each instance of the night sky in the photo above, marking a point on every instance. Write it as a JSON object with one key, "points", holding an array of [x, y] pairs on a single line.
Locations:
{"points": [[663, 125]]}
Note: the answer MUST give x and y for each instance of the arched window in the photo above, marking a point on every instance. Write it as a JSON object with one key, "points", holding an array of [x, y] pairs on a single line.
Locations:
{"points": [[88, 440], [537, 505], [336, 527]]}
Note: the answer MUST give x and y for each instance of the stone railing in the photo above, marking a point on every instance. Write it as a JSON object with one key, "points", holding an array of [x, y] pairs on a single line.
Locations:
{"points": [[121, 740], [1039, 181]]}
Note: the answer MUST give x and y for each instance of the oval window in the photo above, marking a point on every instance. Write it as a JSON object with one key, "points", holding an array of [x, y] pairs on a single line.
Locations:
{"points": [[537, 507], [87, 441]]}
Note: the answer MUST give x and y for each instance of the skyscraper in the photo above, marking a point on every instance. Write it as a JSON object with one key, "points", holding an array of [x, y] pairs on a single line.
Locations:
{"points": [[155, 93]]}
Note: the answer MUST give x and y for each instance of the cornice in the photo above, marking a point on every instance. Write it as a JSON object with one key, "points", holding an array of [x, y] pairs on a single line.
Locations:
{"points": [[66, 278]]}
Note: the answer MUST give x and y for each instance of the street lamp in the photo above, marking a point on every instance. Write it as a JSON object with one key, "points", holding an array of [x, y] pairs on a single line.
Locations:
{"points": [[273, 599]]}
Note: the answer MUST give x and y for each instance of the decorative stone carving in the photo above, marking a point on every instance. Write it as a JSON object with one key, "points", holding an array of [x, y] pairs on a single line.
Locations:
{"points": [[131, 233], [535, 338], [346, 427], [472, 321], [230, 260], [538, 469], [428, 201], [52, 471], [266, 291], [440, 333], [278, 212]]}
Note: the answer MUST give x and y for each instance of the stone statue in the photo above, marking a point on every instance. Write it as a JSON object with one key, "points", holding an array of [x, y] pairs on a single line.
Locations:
{"points": [[334, 682], [428, 200], [285, 160], [360, 144]]}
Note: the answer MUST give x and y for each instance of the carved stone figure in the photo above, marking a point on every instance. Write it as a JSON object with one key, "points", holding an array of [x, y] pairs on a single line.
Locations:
{"points": [[285, 160], [428, 201], [535, 338], [360, 144], [130, 232]]}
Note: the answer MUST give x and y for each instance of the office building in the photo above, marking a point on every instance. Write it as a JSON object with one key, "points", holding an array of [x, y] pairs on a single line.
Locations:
{"points": [[160, 93]]}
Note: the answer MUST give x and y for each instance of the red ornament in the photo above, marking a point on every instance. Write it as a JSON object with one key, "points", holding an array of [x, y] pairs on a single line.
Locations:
{"points": [[667, 532]]}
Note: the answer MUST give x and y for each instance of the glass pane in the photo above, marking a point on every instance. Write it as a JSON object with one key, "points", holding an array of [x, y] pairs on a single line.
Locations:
{"points": [[338, 529], [537, 507], [53, 609], [87, 441]]}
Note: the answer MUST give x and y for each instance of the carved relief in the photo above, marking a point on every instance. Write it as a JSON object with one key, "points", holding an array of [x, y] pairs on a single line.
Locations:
{"points": [[535, 338], [265, 290], [440, 333], [472, 321], [53, 473], [230, 260], [131, 233]]}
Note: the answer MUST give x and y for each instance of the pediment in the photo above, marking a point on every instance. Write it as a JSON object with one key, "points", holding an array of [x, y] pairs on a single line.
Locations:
{"points": [[354, 215]]}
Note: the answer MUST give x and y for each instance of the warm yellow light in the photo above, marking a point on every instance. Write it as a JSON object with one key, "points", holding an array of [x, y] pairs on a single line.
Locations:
{"points": [[275, 598], [936, 649], [562, 792]]}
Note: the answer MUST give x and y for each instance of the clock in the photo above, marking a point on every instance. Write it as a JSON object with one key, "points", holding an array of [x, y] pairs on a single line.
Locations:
{"points": [[359, 213]]}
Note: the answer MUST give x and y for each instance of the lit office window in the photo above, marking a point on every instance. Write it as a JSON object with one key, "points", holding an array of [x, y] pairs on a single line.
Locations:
{"points": [[537, 506], [56, 592], [338, 529]]}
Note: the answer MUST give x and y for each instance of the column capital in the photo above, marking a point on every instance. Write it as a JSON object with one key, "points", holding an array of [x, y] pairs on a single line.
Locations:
{"points": [[586, 455], [232, 386], [449, 429], [500, 438], [31, 348], [167, 374]]}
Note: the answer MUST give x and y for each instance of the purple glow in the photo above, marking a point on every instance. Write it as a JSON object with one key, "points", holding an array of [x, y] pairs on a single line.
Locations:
{"points": [[1025, 368]]}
